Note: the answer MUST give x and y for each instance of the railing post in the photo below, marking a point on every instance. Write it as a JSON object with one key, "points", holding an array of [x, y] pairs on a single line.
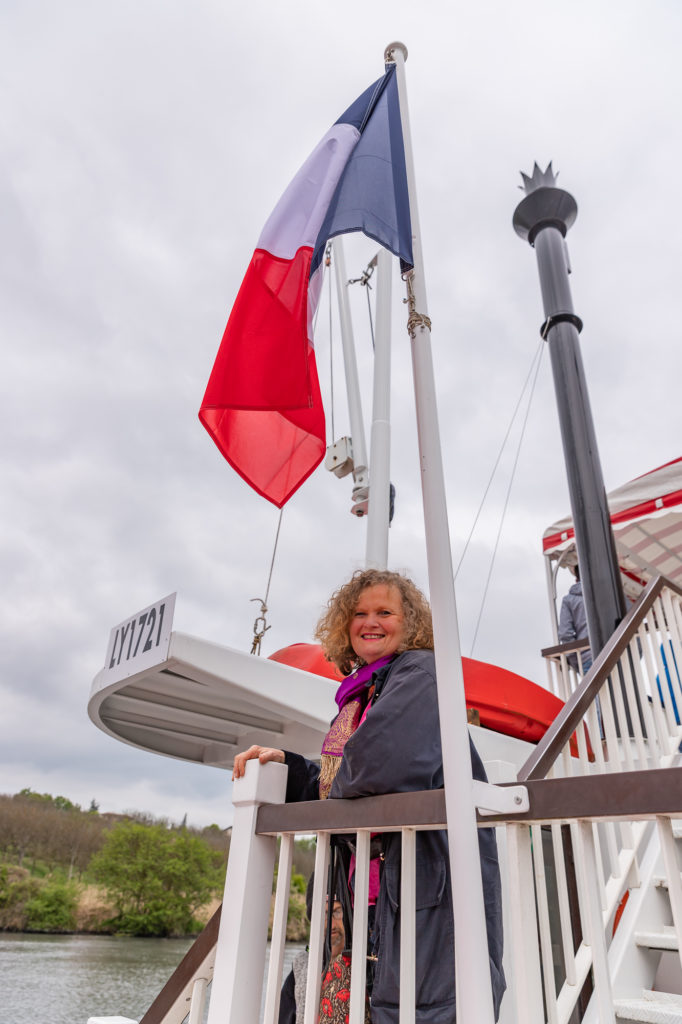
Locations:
{"points": [[408, 909], [197, 1002], [279, 930], [317, 923], [242, 939], [527, 983], [358, 977], [592, 922]]}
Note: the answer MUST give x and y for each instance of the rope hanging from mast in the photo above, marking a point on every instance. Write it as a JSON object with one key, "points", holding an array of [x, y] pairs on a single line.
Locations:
{"points": [[260, 626]]}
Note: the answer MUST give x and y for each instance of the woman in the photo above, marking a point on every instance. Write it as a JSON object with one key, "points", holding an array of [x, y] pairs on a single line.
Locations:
{"points": [[386, 739]]}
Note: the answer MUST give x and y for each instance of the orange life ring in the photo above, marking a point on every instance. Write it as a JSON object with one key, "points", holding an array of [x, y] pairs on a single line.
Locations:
{"points": [[506, 702]]}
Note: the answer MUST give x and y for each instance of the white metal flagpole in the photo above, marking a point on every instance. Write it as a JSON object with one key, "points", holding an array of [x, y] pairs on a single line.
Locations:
{"points": [[474, 994], [376, 552]]}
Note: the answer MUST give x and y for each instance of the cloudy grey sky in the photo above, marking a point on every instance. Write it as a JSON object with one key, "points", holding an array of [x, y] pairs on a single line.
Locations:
{"points": [[142, 146]]}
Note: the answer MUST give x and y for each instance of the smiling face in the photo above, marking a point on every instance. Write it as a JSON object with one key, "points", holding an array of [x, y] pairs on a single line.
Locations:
{"points": [[378, 624]]}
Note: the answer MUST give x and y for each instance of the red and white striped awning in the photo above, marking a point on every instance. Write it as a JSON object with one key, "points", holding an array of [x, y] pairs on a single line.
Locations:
{"points": [[646, 514]]}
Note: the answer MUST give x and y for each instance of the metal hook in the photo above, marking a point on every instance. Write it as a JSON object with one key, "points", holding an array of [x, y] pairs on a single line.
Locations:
{"points": [[260, 626]]}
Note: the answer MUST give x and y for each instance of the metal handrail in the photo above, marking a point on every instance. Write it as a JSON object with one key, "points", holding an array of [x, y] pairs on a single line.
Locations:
{"points": [[565, 724]]}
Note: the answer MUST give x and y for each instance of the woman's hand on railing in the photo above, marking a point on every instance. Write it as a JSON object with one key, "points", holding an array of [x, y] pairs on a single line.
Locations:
{"points": [[264, 754]]}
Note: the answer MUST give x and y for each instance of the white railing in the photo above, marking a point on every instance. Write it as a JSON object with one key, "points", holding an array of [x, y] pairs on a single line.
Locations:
{"points": [[598, 788], [565, 668], [621, 718], [240, 964], [239, 975]]}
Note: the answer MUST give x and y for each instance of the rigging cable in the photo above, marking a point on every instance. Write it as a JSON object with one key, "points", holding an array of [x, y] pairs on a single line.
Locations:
{"points": [[260, 626], [497, 460], [369, 310], [538, 358], [364, 281]]}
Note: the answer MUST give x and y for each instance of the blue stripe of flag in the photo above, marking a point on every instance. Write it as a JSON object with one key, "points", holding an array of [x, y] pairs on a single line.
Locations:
{"points": [[371, 195]]}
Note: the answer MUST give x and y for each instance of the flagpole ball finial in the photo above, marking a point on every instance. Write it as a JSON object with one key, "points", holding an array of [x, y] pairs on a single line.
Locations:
{"points": [[390, 50]]}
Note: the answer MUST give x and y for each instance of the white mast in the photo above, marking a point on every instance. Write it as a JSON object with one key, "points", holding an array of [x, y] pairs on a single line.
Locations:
{"points": [[376, 553], [378, 506], [474, 993], [357, 426]]}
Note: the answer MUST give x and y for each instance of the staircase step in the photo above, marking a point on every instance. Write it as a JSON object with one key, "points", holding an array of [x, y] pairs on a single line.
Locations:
{"points": [[651, 1008], [662, 939]]}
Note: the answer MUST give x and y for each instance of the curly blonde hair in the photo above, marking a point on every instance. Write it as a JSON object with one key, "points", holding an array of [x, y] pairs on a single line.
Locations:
{"points": [[333, 628]]}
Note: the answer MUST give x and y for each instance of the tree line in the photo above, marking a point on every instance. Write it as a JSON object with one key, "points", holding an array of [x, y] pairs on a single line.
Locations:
{"points": [[38, 829], [156, 876]]}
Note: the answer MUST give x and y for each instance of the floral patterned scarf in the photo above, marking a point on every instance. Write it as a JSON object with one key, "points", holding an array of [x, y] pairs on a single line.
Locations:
{"points": [[351, 698], [335, 992]]}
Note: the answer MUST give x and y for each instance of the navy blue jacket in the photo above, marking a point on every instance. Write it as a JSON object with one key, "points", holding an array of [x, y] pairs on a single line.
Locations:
{"points": [[397, 749]]}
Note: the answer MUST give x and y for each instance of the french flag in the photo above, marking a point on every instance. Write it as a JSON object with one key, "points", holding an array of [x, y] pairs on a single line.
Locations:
{"points": [[262, 405]]}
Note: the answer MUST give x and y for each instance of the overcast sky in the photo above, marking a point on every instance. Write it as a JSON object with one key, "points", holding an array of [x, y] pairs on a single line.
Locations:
{"points": [[142, 147]]}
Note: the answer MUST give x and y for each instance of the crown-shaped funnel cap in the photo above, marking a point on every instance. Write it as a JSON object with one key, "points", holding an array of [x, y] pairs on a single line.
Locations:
{"points": [[539, 179], [544, 205]]}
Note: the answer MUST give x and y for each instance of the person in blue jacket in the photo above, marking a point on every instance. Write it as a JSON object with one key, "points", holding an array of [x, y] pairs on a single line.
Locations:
{"points": [[386, 739], [573, 623]]}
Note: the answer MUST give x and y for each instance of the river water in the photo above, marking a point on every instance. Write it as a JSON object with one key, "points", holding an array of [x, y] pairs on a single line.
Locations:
{"points": [[64, 979]]}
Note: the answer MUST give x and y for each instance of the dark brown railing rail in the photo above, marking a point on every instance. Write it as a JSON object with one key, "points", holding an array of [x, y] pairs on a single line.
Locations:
{"points": [[627, 795], [573, 647]]}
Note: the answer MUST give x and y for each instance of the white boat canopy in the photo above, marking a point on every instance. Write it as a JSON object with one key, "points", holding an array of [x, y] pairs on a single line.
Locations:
{"points": [[646, 515], [174, 694]]}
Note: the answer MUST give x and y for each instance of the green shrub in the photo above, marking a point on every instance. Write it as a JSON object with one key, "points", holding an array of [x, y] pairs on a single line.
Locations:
{"points": [[298, 883], [16, 889], [53, 908], [156, 878]]}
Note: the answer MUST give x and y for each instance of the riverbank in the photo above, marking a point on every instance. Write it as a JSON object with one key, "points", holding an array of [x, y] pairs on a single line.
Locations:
{"points": [[64, 870], [51, 906]]}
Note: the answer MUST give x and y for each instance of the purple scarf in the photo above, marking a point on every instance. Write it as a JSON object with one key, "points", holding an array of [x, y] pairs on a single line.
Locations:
{"points": [[350, 699], [353, 685]]}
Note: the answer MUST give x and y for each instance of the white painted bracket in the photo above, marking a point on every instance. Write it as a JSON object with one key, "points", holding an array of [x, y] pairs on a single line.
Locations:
{"points": [[339, 457], [489, 799]]}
